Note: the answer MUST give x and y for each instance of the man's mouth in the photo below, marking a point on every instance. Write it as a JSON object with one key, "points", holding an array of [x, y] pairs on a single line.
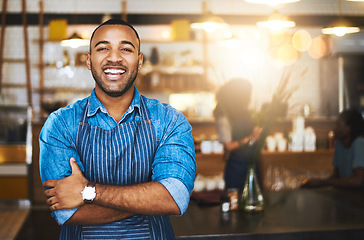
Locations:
{"points": [[113, 72]]}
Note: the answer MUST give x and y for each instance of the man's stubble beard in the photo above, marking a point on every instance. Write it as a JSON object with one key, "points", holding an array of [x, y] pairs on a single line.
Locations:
{"points": [[115, 93]]}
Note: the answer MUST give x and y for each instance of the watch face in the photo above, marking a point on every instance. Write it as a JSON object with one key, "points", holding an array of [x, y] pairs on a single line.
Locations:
{"points": [[89, 193]]}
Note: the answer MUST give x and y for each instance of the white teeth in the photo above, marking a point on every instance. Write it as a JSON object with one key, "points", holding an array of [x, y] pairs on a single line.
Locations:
{"points": [[114, 71]]}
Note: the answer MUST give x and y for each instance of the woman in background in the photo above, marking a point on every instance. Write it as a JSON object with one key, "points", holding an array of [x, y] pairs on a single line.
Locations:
{"points": [[236, 130], [348, 159]]}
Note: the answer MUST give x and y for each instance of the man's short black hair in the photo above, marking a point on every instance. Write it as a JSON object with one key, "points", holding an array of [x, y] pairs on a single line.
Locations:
{"points": [[115, 21]]}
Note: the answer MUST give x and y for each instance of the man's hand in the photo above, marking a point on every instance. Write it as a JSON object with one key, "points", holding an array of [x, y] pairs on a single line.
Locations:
{"points": [[66, 193]]}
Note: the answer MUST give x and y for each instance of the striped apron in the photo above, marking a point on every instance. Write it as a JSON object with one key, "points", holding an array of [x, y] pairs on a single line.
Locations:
{"points": [[121, 156]]}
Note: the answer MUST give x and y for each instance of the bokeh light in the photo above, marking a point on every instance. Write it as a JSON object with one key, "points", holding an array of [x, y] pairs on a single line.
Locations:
{"points": [[301, 40], [320, 47], [287, 53]]}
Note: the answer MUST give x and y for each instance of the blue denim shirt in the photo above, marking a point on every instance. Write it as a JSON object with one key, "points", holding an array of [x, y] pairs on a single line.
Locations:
{"points": [[174, 163]]}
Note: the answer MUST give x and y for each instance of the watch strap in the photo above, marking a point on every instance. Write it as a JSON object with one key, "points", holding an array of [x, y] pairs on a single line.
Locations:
{"points": [[91, 184]]}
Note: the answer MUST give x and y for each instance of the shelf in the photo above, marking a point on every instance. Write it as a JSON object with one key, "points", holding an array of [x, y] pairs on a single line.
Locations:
{"points": [[46, 40], [14, 85], [13, 60], [201, 121], [185, 70], [162, 41], [49, 65], [168, 41], [174, 82], [63, 89]]}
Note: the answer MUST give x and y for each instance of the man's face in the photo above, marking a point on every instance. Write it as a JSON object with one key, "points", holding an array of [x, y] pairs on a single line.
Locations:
{"points": [[114, 59]]}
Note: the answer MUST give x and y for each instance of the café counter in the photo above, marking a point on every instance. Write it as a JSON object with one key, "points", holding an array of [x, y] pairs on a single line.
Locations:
{"points": [[325, 213]]}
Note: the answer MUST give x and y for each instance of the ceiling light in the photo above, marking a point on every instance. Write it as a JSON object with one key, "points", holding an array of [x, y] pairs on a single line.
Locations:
{"points": [[271, 2], [341, 26], [210, 24], [277, 22], [75, 41]]}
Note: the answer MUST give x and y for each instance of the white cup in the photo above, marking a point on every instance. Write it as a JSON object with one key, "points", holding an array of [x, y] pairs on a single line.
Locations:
{"points": [[206, 147], [271, 143], [282, 145], [217, 147]]}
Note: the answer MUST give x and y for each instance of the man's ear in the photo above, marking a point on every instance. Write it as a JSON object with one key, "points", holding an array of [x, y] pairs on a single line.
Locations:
{"points": [[140, 63], [88, 60]]}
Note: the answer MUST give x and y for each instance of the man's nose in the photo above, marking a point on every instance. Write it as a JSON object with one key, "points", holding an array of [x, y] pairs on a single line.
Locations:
{"points": [[115, 56]]}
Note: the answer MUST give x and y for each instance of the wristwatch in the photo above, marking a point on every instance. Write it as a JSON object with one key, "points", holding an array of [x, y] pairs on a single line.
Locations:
{"points": [[89, 192]]}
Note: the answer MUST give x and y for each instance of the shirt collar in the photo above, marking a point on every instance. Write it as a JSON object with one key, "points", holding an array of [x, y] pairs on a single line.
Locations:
{"points": [[135, 104], [95, 104]]}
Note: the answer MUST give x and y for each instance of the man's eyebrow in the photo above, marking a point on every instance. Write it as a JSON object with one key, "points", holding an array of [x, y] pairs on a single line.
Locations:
{"points": [[127, 42], [101, 42]]}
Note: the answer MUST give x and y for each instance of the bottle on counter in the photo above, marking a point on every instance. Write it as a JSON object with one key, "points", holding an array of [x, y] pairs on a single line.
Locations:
{"points": [[309, 140], [233, 194], [252, 198], [296, 140], [225, 203], [296, 137]]}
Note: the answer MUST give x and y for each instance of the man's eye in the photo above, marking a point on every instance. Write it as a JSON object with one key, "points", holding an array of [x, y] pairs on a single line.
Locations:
{"points": [[101, 49], [126, 50]]}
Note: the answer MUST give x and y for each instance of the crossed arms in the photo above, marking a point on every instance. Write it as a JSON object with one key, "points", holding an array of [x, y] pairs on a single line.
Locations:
{"points": [[112, 203]]}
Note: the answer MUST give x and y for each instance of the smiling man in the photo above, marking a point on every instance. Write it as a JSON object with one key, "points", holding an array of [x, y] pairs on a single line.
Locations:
{"points": [[116, 164]]}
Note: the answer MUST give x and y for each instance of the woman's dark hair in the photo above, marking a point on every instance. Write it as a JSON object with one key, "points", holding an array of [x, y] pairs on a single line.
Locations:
{"points": [[233, 98], [354, 119]]}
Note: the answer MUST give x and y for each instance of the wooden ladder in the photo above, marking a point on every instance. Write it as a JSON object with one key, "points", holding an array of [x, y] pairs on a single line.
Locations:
{"points": [[26, 48]]}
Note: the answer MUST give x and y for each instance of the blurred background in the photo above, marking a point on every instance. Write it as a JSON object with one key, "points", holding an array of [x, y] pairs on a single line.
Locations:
{"points": [[191, 48]]}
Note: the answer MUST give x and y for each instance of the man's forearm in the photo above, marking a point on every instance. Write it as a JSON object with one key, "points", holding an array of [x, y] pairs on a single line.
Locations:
{"points": [[150, 198], [92, 214], [113, 203]]}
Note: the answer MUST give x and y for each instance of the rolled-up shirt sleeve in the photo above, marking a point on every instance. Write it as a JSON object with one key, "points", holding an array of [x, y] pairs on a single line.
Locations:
{"points": [[56, 149], [178, 191], [174, 163]]}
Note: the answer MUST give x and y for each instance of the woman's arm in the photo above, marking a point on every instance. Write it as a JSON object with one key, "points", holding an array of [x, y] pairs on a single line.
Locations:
{"points": [[254, 136], [354, 181]]}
